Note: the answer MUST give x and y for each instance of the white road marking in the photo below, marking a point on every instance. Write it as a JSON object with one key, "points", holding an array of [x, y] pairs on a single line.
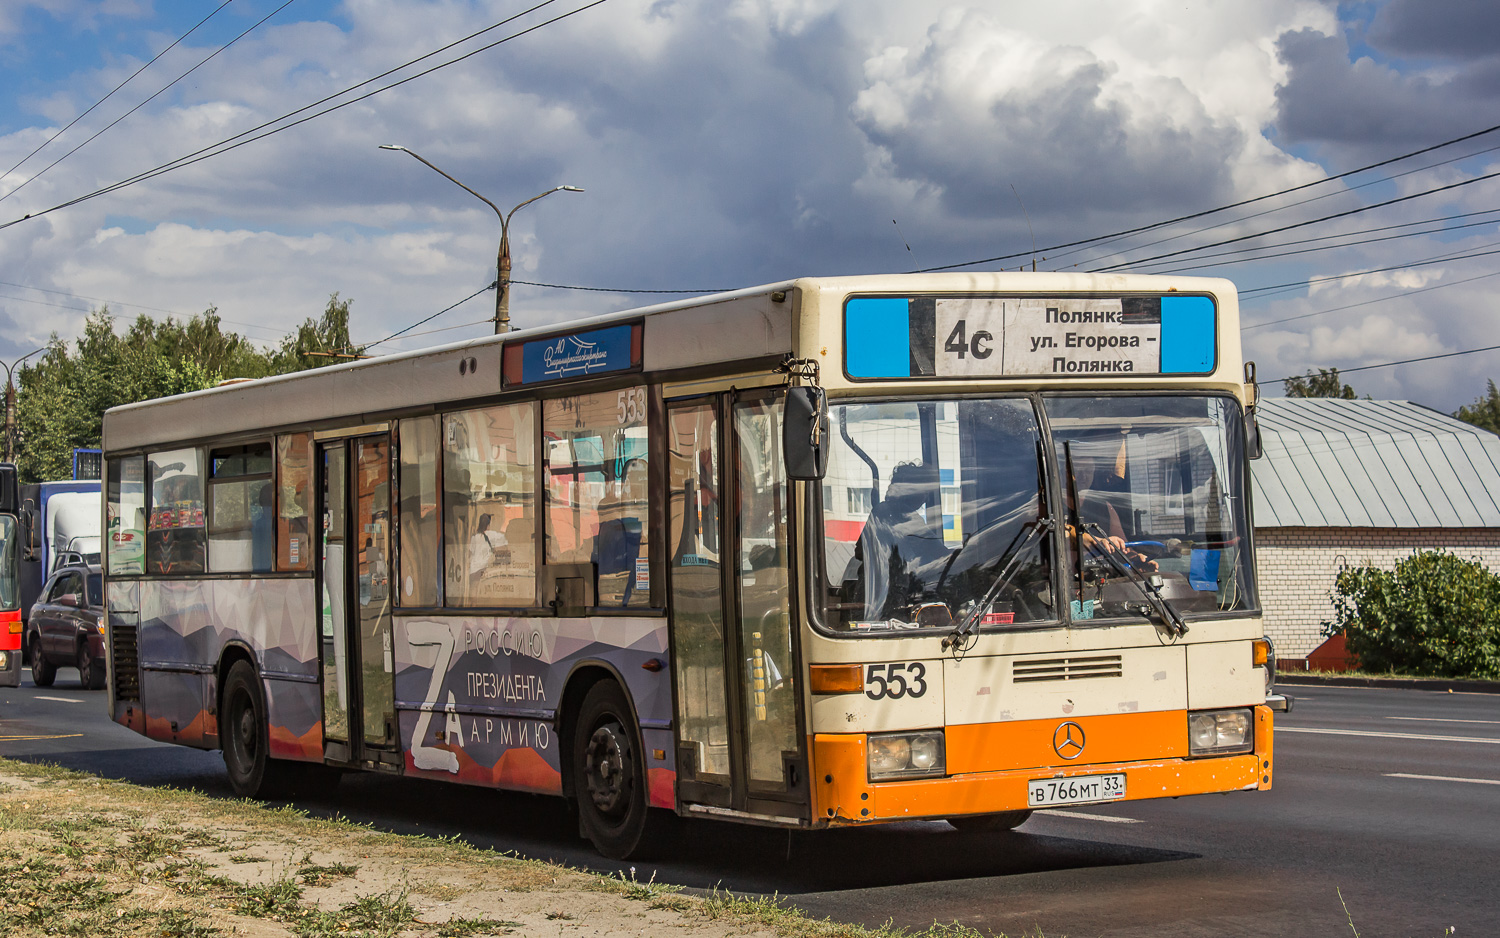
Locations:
{"points": [[58, 699], [1089, 817], [1442, 720], [1444, 778], [1333, 732]]}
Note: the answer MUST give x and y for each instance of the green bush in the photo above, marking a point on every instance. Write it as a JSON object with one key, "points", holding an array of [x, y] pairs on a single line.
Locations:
{"points": [[1434, 615]]}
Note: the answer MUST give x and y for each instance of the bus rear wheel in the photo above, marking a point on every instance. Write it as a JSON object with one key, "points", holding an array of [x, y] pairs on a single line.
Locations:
{"points": [[609, 778], [989, 823]]}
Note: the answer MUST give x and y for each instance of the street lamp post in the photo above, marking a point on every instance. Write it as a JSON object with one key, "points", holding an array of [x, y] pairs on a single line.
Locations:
{"points": [[502, 258], [10, 405]]}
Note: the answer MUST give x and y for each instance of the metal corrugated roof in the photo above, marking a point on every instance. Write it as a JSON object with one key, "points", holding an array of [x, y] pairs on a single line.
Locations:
{"points": [[1375, 464]]}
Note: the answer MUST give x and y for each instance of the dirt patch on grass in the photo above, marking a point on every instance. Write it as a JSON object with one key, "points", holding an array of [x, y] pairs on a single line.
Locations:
{"points": [[83, 856]]}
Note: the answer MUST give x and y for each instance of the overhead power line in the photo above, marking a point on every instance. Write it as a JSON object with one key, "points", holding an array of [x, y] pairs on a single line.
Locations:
{"points": [[564, 286], [153, 97], [91, 107], [252, 135], [1221, 208], [1326, 247], [1302, 224], [421, 321], [1279, 208], [1404, 361], [1440, 259], [1382, 299]]}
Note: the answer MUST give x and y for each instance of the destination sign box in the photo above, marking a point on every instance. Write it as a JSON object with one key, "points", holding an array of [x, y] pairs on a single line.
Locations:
{"points": [[1029, 336]]}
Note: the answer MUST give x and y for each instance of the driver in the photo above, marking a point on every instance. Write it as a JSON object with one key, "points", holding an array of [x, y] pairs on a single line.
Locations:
{"points": [[1095, 512]]}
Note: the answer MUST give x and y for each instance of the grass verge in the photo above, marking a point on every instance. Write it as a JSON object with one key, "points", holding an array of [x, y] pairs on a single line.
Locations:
{"points": [[83, 856]]}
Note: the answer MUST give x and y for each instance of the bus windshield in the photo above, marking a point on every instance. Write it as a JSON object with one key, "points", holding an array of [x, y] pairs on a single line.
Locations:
{"points": [[10, 574], [933, 510]]}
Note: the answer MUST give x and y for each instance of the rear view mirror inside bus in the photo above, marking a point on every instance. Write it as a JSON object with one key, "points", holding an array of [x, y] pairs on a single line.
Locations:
{"points": [[804, 433]]}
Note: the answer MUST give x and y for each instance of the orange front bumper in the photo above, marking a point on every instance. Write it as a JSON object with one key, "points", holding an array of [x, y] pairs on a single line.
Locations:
{"points": [[842, 793]]}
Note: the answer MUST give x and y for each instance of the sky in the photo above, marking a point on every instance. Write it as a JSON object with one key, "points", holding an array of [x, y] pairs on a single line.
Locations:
{"points": [[730, 143]]}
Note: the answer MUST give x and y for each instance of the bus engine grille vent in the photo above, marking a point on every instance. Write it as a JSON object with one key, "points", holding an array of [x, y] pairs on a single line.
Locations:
{"points": [[1065, 669], [124, 659]]}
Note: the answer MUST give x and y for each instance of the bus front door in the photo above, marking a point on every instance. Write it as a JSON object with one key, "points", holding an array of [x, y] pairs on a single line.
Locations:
{"points": [[740, 743], [358, 673]]}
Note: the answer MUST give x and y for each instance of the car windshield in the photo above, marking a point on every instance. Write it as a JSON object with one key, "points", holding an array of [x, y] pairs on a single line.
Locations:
{"points": [[10, 593], [96, 590], [924, 505], [1158, 484]]}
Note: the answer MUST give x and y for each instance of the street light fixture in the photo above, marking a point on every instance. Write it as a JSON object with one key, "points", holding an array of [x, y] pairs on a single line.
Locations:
{"points": [[10, 405], [502, 259]]}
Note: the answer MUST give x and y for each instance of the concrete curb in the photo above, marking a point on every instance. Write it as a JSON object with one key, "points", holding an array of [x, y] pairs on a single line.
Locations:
{"points": [[1440, 685]]}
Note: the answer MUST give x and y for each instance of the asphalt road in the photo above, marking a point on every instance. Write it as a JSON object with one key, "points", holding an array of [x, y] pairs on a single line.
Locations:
{"points": [[1387, 801]]}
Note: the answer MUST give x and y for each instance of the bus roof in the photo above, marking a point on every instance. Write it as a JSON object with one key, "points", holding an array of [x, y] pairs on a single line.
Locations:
{"points": [[751, 325]]}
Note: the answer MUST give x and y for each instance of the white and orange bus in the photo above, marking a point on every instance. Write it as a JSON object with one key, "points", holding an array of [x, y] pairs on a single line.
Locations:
{"points": [[825, 552]]}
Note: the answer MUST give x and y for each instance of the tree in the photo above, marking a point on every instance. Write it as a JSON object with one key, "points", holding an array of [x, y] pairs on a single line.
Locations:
{"points": [[322, 342], [1325, 383], [1485, 412], [63, 396]]}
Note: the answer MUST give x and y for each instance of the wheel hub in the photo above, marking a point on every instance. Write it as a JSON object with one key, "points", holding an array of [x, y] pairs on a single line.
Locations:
{"points": [[607, 770]]}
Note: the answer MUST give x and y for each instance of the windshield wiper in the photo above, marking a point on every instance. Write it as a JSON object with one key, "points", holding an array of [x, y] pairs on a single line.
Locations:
{"points": [[967, 624], [1170, 617]]}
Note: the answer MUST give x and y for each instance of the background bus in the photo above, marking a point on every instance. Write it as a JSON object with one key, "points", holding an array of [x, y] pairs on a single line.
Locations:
{"points": [[11, 627], [832, 551]]}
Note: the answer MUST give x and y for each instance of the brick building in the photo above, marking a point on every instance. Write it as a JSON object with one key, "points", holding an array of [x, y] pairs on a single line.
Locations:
{"points": [[1356, 482]]}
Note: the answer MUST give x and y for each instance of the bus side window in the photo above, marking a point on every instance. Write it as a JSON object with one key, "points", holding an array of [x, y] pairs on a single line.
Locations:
{"points": [[489, 506], [596, 485], [419, 579], [125, 534], [176, 541], [240, 522], [294, 547]]}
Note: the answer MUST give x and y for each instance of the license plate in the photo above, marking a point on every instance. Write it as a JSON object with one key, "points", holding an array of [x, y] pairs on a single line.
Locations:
{"points": [[1080, 789]]}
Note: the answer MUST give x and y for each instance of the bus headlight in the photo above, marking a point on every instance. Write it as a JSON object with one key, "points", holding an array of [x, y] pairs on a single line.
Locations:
{"points": [[1220, 732], [907, 755]]}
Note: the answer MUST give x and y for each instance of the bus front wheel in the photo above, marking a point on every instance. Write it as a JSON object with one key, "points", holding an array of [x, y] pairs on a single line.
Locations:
{"points": [[989, 823], [609, 779]]}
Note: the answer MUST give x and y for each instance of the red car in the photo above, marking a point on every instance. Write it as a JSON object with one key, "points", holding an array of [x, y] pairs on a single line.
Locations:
{"points": [[66, 628]]}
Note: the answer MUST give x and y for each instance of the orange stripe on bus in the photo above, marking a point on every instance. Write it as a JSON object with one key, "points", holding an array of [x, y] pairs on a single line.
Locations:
{"points": [[1115, 737]]}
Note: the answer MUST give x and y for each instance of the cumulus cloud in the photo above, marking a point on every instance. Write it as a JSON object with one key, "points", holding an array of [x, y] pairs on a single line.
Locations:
{"points": [[720, 145]]}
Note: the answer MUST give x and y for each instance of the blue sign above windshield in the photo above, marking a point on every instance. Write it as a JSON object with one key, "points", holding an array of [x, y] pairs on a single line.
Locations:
{"points": [[1029, 336]]}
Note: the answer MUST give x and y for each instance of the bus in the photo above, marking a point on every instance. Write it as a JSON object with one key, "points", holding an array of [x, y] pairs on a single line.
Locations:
{"points": [[827, 552], [11, 536]]}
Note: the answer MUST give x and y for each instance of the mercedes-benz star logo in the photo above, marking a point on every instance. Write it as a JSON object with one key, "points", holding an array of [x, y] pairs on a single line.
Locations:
{"points": [[1068, 740]]}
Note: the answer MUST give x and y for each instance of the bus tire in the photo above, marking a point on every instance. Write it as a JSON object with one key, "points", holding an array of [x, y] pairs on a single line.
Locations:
{"points": [[989, 823], [43, 672], [609, 776], [243, 730]]}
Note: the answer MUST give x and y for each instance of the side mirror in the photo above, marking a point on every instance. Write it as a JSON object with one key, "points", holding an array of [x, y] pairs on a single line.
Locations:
{"points": [[67, 599], [1252, 426], [32, 546], [804, 434]]}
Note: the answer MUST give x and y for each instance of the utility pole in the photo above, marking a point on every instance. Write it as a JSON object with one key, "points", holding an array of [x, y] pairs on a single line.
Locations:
{"points": [[10, 405], [502, 257]]}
